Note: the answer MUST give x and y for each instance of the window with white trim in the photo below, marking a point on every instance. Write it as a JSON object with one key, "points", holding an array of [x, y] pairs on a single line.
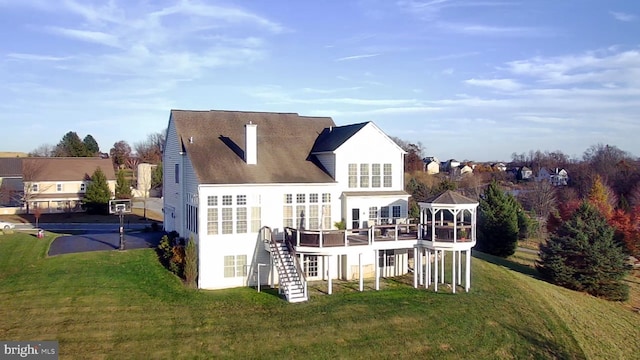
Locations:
{"points": [[287, 211], [227, 220], [241, 220], [375, 175], [396, 212], [59, 187], [326, 211], [353, 175], [388, 175], [314, 218], [311, 267], [384, 215], [373, 215], [256, 218], [235, 266], [364, 175]]}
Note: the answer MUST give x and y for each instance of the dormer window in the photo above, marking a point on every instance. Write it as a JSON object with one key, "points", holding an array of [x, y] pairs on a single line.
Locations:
{"points": [[59, 187], [35, 188]]}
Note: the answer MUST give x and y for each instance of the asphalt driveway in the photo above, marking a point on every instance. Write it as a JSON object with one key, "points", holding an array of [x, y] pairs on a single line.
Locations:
{"points": [[103, 241]]}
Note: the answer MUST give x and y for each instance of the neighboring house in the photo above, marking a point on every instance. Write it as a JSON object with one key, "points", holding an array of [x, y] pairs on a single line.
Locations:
{"points": [[524, 173], [499, 166], [543, 174], [431, 166], [559, 177], [10, 181], [56, 184], [464, 169], [244, 184]]}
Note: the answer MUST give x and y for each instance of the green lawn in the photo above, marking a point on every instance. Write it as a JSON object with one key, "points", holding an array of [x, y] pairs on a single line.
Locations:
{"points": [[121, 305]]}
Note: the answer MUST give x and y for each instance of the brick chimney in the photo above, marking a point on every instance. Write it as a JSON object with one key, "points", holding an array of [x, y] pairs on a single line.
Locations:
{"points": [[251, 143]]}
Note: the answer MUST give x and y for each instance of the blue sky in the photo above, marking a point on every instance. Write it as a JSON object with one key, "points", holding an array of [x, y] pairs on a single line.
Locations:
{"points": [[469, 79]]}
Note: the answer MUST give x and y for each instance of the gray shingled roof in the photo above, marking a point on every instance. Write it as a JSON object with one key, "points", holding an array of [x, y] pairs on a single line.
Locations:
{"points": [[65, 169], [450, 197], [10, 167], [285, 141], [330, 139]]}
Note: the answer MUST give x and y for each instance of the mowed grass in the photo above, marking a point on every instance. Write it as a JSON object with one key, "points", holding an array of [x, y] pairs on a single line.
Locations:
{"points": [[124, 305]]}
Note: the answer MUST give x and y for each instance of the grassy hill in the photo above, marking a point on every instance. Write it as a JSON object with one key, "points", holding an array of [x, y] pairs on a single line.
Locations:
{"points": [[125, 305], [5, 154]]}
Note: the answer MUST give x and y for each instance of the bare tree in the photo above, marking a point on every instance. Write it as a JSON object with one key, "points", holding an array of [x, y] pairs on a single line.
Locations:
{"points": [[44, 150], [31, 170], [541, 198], [150, 150]]}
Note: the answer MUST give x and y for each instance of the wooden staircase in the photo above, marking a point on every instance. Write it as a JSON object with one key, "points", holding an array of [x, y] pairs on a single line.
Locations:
{"points": [[291, 279]]}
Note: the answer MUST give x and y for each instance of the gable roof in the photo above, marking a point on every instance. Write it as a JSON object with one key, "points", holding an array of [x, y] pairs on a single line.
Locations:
{"points": [[284, 146], [65, 168], [330, 139], [450, 197], [10, 167]]}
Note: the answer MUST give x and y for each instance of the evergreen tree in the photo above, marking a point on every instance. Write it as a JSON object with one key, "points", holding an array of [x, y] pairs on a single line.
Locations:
{"points": [[497, 222], [191, 263], [91, 145], [123, 186], [583, 255], [71, 146], [98, 194]]}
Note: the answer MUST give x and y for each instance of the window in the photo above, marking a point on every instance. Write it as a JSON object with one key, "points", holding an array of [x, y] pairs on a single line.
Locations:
{"points": [[326, 211], [241, 220], [301, 198], [364, 175], [192, 218], [373, 215], [384, 215], [235, 266], [312, 265], [212, 221], [241, 200], [396, 212], [300, 216], [227, 220], [83, 187], [375, 175], [59, 187], [287, 216], [177, 173], [388, 175], [314, 220], [35, 188], [313, 198], [212, 201], [353, 175], [256, 218], [227, 200], [288, 198]]}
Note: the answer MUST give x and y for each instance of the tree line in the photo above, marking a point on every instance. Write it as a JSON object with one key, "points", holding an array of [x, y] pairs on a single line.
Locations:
{"points": [[589, 228]]}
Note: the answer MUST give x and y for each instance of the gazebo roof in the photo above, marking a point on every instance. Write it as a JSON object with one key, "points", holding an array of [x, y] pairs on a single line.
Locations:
{"points": [[450, 197]]}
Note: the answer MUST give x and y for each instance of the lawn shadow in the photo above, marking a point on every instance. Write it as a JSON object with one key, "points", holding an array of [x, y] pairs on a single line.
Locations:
{"points": [[542, 347], [512, 265]]}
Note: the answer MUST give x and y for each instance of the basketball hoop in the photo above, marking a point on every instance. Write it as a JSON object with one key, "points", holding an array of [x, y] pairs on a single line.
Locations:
{"points": [[120, 207]]}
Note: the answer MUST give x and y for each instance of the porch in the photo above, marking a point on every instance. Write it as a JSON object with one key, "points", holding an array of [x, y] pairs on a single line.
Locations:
{"points": [[352, 237]]}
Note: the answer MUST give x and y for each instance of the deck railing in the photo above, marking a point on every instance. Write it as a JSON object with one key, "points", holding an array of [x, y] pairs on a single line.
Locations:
{"points": [[352, 237]]}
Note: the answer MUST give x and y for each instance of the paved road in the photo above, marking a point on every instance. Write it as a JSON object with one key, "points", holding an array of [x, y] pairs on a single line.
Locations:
{"points": [[154, 204], [96, 227], [102, 241]]}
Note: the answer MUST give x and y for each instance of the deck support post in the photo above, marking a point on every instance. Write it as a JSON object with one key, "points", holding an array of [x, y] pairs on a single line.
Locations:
{"points": [[361, 286], [453, 271], [376, 254], [416, 267]]}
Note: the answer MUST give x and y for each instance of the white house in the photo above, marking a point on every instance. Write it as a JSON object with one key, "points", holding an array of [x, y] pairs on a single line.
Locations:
{"points": [[247, 184]]}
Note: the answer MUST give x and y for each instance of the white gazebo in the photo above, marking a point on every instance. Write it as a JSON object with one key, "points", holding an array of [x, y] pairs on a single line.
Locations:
{"points": [[447, 223]]}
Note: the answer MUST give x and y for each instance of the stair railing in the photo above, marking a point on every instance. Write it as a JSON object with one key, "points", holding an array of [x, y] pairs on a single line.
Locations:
{"points": [[274, 245], [294, 255]]}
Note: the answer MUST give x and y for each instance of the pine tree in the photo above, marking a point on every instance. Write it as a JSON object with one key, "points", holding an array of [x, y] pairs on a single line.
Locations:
{"points": [[583, 255], [123, 187], [71, 146], [91, 145], [497, 222], [98, 194]]}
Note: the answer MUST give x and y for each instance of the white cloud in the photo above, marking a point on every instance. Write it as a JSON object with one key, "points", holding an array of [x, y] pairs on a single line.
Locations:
{"points": [[497, 84], [621, 16], [357, 57], [492, 30], [96, 37], [36, 57]]}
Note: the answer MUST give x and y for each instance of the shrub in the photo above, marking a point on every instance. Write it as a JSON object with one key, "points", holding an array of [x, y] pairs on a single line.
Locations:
{"points": [[340, 225], [171, 254], [191, 263]]}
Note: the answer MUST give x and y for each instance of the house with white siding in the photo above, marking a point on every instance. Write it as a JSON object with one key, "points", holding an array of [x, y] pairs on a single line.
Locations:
{"points": [[279, 198]]}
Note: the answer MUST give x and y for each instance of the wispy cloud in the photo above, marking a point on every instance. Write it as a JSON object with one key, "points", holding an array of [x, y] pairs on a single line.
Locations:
{"points": [[497, 84], [453, 56], [357, 57], [492, 30], [622, 16], [96, 37], [36, 57]]}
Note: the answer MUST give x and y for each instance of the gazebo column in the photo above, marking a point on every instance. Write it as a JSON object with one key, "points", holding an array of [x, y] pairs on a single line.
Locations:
{"points": [[467, 280], [443, 253], [361, 287], [459, 267], [427, 255], [453, 271], [435, 270], [376, 263]]}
